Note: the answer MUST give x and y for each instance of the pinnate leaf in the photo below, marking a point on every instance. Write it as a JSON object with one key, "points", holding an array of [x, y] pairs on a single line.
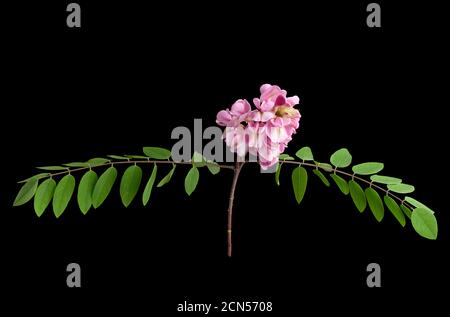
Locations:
{"points": [[85, 190], [167, 178], [325, 166], [157, 153], [77, 164], [387, 180], [394, 208], [367, 168], [98, 161], [406, 211], [277, 174], [149, 186], [424, 222], [118, 157], [63, 193], [52, 168], [44, 195], [305, 153], [401, 188], [322, 177], [299, 182], [341, 183], [103, 186], [213, 167], [26, 192], [191, 180], [417, 203], [129, 185], [285, 157], [358, 195], [37, 176], [375, 203], [140, 157], [341, 158]]}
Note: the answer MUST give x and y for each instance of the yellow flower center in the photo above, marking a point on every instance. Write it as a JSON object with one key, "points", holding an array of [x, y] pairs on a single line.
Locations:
{"points": [[285, 111]]}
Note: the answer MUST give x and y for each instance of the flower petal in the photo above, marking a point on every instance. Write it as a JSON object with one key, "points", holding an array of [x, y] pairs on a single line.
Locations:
{"points": [[223, 118], [281, 100], [264, 88], [266, 116], [292, 101], [256, 102], [240, 107]]}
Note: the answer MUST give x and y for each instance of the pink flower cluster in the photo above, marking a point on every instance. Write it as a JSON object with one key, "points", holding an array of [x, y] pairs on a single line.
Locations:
{"points": [[264, 131]]}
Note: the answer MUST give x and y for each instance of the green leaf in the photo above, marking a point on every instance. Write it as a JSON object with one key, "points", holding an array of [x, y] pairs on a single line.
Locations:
{"points": [[77, 164], [157, 153], [341, 183], [103, 186], [52, 168], [118, 157], [401, 188], [62, 195], [375, 203], [341, 158], [26, 192], [149, 186], [191, 180], [44, 195], [37, 176], [299, 182], [98, 161], [140, 157], [406, 211], [85, 191], [285, 157], [305, 153], [424, 222], [213, 167], [387, 180], [395, 209], [358, 196], [129, 185], [167, 178], [417, 203], [277, 173], [325, 166], [322, 177], [198, 160], [367, 168]]}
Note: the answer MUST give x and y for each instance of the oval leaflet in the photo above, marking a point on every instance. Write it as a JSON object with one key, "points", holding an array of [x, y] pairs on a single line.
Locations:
{"points": [[341, 158], [358, 196], [367, 168], [44, 195], [424, 222], [299, 182]]}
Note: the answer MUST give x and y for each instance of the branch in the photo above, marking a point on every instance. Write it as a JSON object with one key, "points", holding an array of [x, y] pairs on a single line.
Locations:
{"points": [[93, 190], [353, 176], [237, 171], [128, 162]]}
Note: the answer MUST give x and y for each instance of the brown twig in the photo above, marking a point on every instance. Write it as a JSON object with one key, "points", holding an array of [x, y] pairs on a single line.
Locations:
{"points": [[237, 171]]}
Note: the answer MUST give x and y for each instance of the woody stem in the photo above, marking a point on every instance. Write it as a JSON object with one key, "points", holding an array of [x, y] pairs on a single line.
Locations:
{"points": [[237, 170]]}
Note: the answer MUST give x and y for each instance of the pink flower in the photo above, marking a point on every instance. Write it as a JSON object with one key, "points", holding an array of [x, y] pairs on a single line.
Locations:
{"points": [[265, 131], [236, 140], [238, 113]]}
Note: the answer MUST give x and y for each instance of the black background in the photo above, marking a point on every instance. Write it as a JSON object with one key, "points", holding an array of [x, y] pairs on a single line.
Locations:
{"points": [[134, 72]]}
